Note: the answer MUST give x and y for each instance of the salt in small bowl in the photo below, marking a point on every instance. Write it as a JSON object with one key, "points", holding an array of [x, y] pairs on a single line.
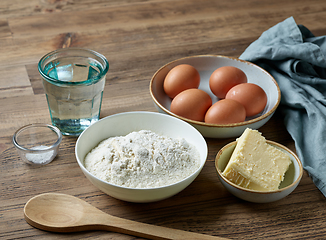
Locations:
{"points": [[37, 144]]}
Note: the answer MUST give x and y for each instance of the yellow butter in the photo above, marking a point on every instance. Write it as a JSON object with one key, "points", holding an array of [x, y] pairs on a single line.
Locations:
{"points": [[256, 165]]}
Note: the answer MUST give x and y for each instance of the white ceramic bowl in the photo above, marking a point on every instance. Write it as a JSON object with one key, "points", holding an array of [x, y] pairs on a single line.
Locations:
{"points": [[291, 179], [124, 123], [206, 65]]}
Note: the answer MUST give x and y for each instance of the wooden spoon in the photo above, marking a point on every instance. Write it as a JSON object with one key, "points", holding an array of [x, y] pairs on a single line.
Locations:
{"points": [[57, 212]]}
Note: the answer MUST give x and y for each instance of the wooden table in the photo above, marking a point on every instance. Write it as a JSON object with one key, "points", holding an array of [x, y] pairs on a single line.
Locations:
{"points": [[138, 37]]}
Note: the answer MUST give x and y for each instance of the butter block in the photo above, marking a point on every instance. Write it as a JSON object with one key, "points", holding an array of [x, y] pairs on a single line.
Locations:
{"points": [[256, 165]]}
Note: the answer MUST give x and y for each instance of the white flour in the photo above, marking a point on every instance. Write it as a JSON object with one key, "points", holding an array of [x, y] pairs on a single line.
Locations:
{"points": [[142, 160]]}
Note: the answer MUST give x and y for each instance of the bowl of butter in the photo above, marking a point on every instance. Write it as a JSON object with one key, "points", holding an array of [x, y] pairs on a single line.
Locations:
{"points": [[258, 170]]}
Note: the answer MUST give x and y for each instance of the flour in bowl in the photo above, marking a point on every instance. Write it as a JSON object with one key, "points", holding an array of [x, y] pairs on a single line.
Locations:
{"points": [[142, 159]]}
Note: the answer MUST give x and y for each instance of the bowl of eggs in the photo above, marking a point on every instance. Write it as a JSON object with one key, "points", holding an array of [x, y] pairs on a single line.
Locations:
{"points": [[220, 96]]}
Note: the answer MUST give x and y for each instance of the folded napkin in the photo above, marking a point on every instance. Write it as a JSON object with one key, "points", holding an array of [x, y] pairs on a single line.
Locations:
{"points": [[296, 59]]}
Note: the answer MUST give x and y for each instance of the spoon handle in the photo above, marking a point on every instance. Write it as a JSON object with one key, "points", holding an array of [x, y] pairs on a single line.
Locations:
{"points": [[116, 224]]}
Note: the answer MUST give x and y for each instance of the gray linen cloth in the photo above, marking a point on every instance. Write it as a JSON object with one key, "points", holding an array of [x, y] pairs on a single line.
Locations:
{"points": [[296, 59]]}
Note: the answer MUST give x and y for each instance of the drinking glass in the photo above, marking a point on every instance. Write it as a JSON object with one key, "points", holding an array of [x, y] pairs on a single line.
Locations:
{"points": [[73, 81]]}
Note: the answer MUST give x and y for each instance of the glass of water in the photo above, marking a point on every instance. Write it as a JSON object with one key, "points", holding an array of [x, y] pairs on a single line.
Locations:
{"points": [[73, 81]]}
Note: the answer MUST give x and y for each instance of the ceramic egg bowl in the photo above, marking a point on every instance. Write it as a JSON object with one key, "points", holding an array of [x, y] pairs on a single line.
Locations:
{"points": [[124, 123], [206, 65], [291, 179]]}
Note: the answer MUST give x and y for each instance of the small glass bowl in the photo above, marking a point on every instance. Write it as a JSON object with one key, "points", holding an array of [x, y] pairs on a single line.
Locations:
{"points": [[37, 144]]}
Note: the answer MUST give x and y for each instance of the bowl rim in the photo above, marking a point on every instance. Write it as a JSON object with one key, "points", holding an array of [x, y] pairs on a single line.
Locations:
{"points": [[297, 180], [38, 125], [231, 125], [196, 172]]}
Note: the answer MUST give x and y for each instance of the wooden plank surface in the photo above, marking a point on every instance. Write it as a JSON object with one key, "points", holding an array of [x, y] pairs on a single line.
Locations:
{"points": [[138, 37]]}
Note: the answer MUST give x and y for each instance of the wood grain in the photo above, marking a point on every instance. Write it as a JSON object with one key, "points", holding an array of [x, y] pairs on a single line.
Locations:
{"points": [[138, 37]]}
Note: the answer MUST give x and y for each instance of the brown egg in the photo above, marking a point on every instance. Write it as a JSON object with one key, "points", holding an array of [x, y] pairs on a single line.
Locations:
{"points": [[225, 111], [250, 95], [224, 78], [192, 104], [180, 78]]}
